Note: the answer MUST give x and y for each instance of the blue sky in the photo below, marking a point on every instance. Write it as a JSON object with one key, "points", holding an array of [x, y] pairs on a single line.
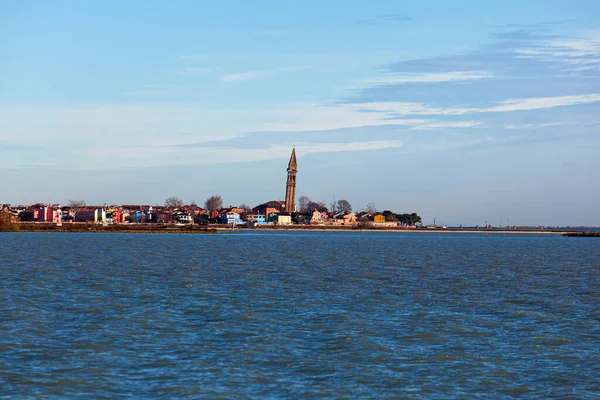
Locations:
{"points": [[466, 111]]}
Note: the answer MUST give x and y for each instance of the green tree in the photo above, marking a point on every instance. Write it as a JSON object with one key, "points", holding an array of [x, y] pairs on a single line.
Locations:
{"points": [[408, 219], [415, 219], [389, 216]]}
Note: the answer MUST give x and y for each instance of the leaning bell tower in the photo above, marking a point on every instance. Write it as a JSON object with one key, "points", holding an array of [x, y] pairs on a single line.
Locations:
{"points": [[290, 190]]}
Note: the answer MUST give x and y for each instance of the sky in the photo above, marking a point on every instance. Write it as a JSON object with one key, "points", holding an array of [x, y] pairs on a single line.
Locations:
{"points": [[468, 112]]}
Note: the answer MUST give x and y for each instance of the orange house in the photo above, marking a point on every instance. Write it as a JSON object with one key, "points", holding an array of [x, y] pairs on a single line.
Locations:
{"points": [[379, 219]]}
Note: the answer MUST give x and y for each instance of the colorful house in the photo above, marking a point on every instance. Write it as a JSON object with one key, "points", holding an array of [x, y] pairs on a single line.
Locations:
{"points": [[379, 219], [346, 219], [281, 218], [45, 213], [253, 219], [270, 207], [231, 218], [317, 218]]}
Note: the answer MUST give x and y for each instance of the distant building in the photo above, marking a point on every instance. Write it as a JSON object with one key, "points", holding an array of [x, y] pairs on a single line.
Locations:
{"points": [[346, 219], [280, 219], [183, 217], [273, 206], [317, 218], [379, 219], [44, 213], [231, 218], [251, 218]]}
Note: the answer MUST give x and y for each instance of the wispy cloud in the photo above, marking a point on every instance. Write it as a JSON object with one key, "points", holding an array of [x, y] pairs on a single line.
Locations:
{"points": [[531, 126], [526, 104], [316, 117], [444, 144], [153, 156], [434, 77], [540, 103], [446, 124], [579, 54], [241, 76], [308, 148]]}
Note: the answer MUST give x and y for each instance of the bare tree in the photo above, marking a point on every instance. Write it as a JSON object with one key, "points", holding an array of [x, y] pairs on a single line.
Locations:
{"points": [[344, 206], [193, 209], [214, 203], [303, 202], [244, 206], [173, 202], [316, 205], [74, 207], [364, 221], [370, 208]]}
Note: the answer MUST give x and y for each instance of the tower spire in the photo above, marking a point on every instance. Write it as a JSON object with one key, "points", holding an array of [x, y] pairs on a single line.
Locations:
{"points": [[290, 190], [293, 164]]}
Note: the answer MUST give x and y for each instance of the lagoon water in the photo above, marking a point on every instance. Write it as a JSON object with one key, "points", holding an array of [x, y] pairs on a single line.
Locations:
{"points": [[299, 315]]}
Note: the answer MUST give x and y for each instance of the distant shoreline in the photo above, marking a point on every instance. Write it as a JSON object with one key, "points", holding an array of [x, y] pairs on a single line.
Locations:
{"points": [[390, 229], [208, 229], [116, 228]]}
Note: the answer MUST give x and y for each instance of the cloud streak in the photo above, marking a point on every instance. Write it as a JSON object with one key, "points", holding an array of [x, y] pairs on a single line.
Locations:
{"points": [[439, 77], [163, 156], [447, 124], [242, 76], [531, 126], [511, 105]]}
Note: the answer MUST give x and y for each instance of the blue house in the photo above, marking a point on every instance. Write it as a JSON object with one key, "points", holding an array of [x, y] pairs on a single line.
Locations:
{"points": [[254, 219], [230, 218]]}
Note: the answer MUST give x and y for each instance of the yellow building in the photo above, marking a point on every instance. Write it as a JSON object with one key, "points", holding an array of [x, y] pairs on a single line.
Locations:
{"points": [[379, 219], [284, 219]]}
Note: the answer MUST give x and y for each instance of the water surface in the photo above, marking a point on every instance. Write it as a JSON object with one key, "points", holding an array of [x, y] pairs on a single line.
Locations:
{"points": [[299, 315]]}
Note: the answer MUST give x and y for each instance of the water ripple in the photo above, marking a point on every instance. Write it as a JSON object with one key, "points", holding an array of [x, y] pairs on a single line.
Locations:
{"points": [[298, 315]]}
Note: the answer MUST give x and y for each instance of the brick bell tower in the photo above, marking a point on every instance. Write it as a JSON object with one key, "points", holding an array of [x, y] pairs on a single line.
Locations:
{"points": [[290, 191]]}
